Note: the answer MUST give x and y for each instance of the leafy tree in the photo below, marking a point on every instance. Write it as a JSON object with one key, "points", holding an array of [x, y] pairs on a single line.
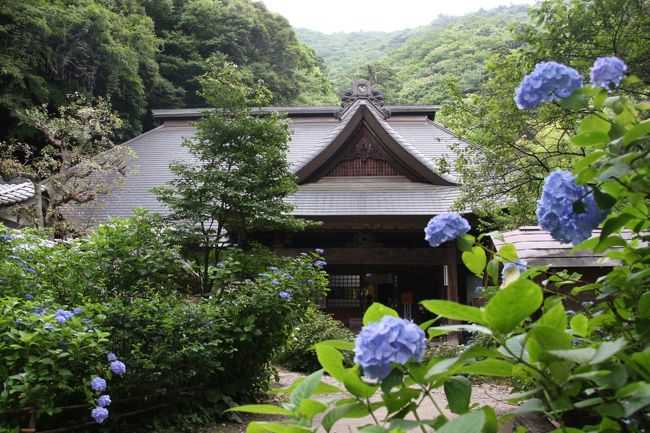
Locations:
{"points": [[516, 149], [240, 176], [78, 162]]}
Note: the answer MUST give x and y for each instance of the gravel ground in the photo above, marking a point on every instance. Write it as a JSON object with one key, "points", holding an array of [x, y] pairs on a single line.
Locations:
{"points": [[483, 394]]}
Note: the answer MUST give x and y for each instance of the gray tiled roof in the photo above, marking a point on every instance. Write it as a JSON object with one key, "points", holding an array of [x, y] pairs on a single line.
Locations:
{"points": [[367, 196], [309, 136], [11, 194], [538, 248]]}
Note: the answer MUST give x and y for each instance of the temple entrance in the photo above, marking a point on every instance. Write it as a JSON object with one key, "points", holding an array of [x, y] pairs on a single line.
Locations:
{"points": [[354, 288]]}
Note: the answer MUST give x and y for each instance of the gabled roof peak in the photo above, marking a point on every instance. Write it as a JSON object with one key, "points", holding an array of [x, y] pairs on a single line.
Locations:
{"points": [[362, 89]]}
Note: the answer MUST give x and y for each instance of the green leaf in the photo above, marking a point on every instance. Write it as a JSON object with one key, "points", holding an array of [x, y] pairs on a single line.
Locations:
{"points": [[644, 305], [475, 260], [608, 349], [493, 270], [636, 132], [588, 160], [273, 427], [465, 242], [471, 422], [604, 200], [376, 312], [577, 101], [265, 409], [306, 388], [311, 408], [580, 324], [508, 252], [555, 317], [595, 123], [591, 138], [614, 223], [356, 386], [331, 360], [512, 304], [581, 356], [454, 310], [458, 391], [347, 410], [489, 367], [337, 344]]}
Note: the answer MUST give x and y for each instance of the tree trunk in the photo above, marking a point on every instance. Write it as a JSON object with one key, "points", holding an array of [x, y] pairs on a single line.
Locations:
{"points": [[38, 203]]}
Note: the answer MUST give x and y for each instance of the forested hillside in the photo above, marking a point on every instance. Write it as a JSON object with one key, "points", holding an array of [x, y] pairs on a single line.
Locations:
{"points": [[410, 66], [143, 54]]}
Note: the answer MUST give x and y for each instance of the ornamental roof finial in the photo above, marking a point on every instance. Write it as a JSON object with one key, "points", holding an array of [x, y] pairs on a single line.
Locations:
{"points": [[362, 89]]}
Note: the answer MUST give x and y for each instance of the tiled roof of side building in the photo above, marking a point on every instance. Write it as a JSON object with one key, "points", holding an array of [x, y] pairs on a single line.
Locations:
{"points": [[15, 193]]}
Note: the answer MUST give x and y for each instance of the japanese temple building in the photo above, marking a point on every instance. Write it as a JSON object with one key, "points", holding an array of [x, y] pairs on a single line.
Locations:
{"points": [[368, 173]]}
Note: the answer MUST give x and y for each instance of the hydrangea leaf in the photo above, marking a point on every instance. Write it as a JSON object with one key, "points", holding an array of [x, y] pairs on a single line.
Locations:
{"points": [[591, 138], [475, 260], [331, 360], [519, 299], [306, 388], [580, 324], [458, 390], [337, 344], [508, 252], [454, 310], [595, 122], [376, 312], [581, 355], [608, 349], [471, 422], [489, 367], [311, 408], [347, 410]]}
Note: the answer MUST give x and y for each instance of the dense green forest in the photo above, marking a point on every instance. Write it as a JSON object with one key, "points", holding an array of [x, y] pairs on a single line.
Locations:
{"points": [[410, 66], [143, 54]]}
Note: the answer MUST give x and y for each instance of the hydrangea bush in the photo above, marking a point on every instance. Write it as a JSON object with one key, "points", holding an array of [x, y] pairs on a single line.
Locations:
{"points": [[586, 370]]}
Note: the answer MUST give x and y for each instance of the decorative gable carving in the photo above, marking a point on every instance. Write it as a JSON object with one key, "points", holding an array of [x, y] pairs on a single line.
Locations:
{"points": [[363, 157]]}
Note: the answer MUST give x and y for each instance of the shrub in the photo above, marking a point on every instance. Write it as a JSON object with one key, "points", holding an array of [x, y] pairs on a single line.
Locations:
{"points": [[298, 353]]}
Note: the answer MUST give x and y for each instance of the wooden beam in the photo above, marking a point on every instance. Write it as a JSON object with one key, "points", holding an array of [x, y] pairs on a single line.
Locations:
{"points": [[383, 256]]}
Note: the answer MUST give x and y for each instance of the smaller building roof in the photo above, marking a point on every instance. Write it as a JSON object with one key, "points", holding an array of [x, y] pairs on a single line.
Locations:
{"points": [[538, 248], [15, 193]]}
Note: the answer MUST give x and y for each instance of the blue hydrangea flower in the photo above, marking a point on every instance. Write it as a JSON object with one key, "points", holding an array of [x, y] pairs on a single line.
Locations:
{"points": [[272, 268], [285, 294], [77, 311], [445, 227], [98, 384], [12, 257], [48, 327], [549, 81], [519, 264], [7, 238], [607, 71], [38, 311], [118, 367], [319, 251], [86, 321], [104, 400], [65, 313], [99, 414], [111, 357], [555, 209], [275, 282], [60, 319], [320, 263], [29, 296], [263, 274], [29, 270], [390, 340], [21, 264]]}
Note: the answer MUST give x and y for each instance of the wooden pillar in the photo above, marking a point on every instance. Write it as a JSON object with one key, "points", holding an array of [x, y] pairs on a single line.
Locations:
{"points": [[452, 289]]}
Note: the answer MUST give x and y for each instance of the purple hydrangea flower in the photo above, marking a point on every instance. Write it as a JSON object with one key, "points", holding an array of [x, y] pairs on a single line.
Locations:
{"points": [[319, 251], [445, 227], [519, 264], [320, 263], [21, 264], [111, 357], [104, 400], [607, 71], [98, 384], [556, 213], [86, 321], [7, 238], [38, 311], [29, 270], [65, 313], [118, 367], [60, 319], [29, 296], [390, 340], [275, 282], [77, 311], [48, 327], [285, 294], [99, 414], [549, 81]]}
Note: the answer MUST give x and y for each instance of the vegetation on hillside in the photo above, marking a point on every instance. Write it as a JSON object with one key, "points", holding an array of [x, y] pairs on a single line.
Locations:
{"points": [[142, 54], [411, 65]]}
